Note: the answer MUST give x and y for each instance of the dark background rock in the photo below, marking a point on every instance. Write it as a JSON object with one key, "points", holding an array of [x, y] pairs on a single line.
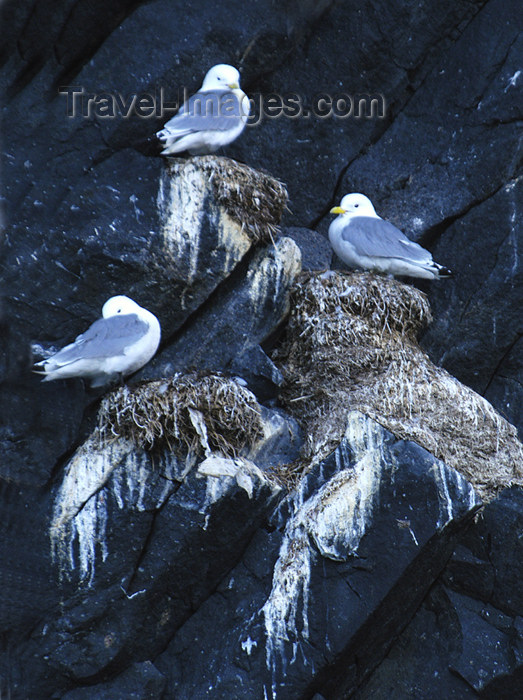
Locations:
{"points": [[142, 681], [80, 205], [316, 251], [483, 325], [467, 638]]}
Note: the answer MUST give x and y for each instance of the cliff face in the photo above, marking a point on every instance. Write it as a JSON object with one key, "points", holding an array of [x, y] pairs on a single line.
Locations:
{"points": [[265, 509]]}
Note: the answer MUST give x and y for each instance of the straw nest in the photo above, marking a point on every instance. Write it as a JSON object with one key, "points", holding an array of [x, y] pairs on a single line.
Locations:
{"points": [[187, 413], [351, 344], [252, 198]]}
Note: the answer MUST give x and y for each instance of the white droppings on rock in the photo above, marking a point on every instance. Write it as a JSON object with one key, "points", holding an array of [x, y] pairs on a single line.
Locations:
{"points": [[198, 421], [80, 516], [332, 521], [512, 81], [248, 645], [187, 206], [232, 241], [514, 230], [224, 474], [445, 499], [88, 528], [181, 212], [137, 211], [129, 484], [87, 472], [348, 499], [215, 490], [273, 272]]}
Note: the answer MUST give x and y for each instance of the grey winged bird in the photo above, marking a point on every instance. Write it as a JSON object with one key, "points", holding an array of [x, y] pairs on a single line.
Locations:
{"points": [[362, 239], [119, 343], [213, 117]]}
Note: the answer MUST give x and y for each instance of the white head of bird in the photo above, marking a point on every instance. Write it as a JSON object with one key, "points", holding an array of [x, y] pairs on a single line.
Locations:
{"points": [[120, 305], [220, 77], [355, 204]]}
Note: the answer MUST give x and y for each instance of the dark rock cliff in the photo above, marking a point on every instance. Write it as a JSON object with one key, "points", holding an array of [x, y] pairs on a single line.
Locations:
{"points": [[187, 571]]}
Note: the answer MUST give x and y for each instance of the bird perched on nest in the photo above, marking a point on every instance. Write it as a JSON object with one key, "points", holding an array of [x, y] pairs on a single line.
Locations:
{"points": [[119, 343], [213, 117], [362, 239]]}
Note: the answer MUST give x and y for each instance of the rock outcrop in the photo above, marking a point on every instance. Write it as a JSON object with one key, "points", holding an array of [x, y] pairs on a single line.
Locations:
{"points": [[316, 599], [465, 639], [351, 340], [167, 484], [292, 499]]}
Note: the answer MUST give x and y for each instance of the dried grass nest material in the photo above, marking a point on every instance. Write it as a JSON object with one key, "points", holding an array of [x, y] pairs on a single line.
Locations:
{"points": [[193, 411], [253, 198], [351, 345]]}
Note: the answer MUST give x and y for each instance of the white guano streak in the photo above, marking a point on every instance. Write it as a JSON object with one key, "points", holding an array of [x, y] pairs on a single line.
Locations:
{"points": [[335, 519], [181, 212], [80, 508], [181, 200], [446, 508]]}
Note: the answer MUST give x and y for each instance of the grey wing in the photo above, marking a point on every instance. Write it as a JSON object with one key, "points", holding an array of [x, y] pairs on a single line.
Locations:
{"points": [[379, 238], [219, 110], [107, 337]]}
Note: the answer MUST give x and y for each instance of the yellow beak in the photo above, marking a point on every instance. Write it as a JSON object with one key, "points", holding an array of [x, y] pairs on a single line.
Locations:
{"points": [[338, 210], [233, 86]]}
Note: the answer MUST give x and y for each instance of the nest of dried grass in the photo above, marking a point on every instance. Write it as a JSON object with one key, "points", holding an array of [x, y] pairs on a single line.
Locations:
{"points": [[351, 344], [252, 198], [187, 413]]}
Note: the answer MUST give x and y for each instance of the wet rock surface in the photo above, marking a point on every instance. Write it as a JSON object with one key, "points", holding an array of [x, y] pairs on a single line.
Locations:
{"points": [[152, 581]]}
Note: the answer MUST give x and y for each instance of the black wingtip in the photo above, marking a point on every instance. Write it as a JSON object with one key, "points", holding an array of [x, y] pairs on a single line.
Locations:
{"points": [[444, 272], [149, 146]]}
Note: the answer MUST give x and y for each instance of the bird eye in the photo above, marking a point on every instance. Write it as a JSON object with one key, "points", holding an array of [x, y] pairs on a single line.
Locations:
{"points": [[356, 205]]}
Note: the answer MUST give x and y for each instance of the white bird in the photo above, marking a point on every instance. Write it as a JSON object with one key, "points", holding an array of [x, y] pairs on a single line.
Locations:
{"points": [[363, 239], [213, 117], [119, 343]]}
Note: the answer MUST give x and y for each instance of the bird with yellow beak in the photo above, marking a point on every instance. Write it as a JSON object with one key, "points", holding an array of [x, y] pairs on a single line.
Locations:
{"points": [[213, 117], [362, 239]]}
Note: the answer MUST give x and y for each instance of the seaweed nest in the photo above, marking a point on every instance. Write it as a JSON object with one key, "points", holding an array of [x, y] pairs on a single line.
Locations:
{"points": [[351, 345], [188, 413], [252, 198]]}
